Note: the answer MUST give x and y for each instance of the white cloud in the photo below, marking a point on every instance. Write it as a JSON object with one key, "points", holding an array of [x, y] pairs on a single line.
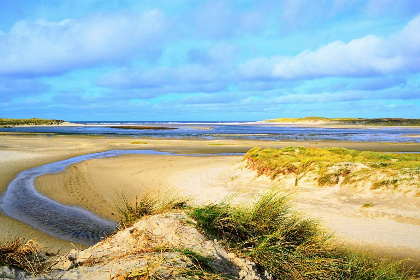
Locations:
{"points": [[259, 68], [47, 48], [366, 56]]}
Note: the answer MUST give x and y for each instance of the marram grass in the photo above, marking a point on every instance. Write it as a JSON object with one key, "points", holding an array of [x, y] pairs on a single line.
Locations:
{"points": [[33, 121], [280, 241], [287, 245], [147, 204], [23, 254], [352, 121], [330, 164]]}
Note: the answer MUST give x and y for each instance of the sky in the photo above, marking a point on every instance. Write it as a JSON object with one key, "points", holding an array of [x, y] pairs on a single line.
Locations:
{"points": [[213, 60]]}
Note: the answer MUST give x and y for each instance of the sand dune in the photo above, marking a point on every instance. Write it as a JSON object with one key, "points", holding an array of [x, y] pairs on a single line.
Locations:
{"points": [[391, 226]]}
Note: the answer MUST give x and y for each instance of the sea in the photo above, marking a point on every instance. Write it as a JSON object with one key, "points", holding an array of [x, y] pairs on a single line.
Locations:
{"points": [[229, 130]]}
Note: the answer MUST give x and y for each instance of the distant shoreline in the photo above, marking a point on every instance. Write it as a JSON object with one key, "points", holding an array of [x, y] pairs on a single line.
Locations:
{"points": [[292, 122], [158, 125], [259, 130], [353, 122], [332, 125]]}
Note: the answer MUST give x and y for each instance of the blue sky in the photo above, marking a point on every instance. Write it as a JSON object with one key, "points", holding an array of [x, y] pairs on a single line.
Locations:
{"points": [[209, 60]]}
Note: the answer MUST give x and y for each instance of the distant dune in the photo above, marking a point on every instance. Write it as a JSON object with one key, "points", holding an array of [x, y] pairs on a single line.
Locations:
{"points": [[349, 121], [32, 121]]}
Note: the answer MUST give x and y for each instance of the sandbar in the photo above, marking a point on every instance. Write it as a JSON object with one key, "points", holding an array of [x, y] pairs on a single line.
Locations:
{"points": [[143, 127]]}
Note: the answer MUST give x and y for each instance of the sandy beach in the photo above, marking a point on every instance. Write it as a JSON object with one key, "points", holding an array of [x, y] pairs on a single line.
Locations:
{"points": [[393, 225]]}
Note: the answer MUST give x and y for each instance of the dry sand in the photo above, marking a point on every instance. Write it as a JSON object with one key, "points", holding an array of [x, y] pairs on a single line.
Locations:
{"points": [[392, 225], [95, 184]]}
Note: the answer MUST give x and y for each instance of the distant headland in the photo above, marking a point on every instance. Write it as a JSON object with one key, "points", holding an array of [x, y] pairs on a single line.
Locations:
{"points": [[349, 121], [4, 122]]}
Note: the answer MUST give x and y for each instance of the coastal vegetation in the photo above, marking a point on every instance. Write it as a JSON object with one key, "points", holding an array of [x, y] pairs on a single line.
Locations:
{"points": [[34, 121], [350, 121], [268, 233], [23, 254], [284, 244], [331, 166], [138, 142], [147, 204]]}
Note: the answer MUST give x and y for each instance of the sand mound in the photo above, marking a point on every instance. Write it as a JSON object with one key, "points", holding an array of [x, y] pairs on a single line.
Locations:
{"points": [[161, 245]]}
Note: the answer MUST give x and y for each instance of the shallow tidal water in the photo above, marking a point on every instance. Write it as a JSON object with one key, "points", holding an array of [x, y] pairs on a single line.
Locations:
{"points": [[228, 130], [23, 202]]}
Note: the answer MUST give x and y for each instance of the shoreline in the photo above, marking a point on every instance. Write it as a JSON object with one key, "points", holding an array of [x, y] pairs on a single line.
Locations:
{"points": [[219, 145], [261, 131], [251, 123], [327, 125]]}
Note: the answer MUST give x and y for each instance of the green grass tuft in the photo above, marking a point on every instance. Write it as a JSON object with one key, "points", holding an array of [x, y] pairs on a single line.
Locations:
{"points": [[368, 205], [147, 204], [199, 261], [203, 267], [285, 244]]}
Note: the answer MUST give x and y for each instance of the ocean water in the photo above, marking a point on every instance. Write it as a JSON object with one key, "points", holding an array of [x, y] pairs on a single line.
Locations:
{"points": [[231, 130]]}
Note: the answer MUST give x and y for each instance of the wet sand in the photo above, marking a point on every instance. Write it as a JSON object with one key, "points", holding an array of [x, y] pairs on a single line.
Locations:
{"points": [[392, 223]]}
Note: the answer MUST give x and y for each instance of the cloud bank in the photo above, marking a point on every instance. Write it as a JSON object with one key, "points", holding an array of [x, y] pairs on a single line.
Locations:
{"points": [[50, 48], [367, 56], [204, 60]]}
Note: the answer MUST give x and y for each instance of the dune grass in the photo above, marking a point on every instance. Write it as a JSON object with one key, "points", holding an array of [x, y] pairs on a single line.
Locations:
{"points": [[200, 267], [138, 142], [297, 120], [147, 204], [351, 121], [33, 121], [296, 156], [281, 242], [23, 254], [287, 245], [298, 161]]}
